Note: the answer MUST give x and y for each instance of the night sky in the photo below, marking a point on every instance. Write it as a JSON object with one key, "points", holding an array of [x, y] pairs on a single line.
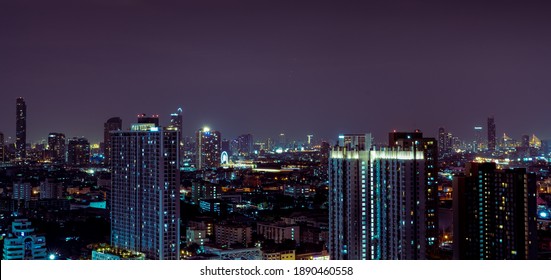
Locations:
{"points": [[265, 67]]}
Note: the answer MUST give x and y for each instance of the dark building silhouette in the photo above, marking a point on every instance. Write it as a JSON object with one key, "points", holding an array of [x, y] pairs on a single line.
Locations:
{"points": [[78, 152], [20, 129], [112, 124], [143, 119], [2, 148], [415, 142], [245, 144], [56, 147], [494, 213], [491, 134]]}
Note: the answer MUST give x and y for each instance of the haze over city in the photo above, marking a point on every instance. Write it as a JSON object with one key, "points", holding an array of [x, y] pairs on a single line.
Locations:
{"points": [[266, 67]]}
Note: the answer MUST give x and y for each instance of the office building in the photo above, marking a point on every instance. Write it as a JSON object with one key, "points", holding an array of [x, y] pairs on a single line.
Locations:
{"points": [[494, 213], [112, 124], [78, 152], [491, 134], [145, 198], [56, 147], [20, 129], [23, 244], [279, 231], [208, 148], [176, 120]]}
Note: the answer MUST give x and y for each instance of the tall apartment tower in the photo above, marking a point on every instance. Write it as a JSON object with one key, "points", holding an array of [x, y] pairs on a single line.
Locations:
{"points": [[378, 200], [427, 199], [176, 120], [56, 147], [348, 181], [112, 124], [208, 148], [494, 213], [491, 134], [145, 200], [20, 128]]}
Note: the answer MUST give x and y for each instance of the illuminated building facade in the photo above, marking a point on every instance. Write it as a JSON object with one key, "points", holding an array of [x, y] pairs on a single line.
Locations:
{"points": [[22, 244], [494, 213], [20, 128], [176, 120], [491, 134], [145, 201], [348, 171], [78, 152], [22, 191], [208, 148], [56, 147], [112, 124], [144, 119], [378, 199]]}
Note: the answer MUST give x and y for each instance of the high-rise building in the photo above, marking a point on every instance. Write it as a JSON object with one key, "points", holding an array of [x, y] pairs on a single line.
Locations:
{"points": [[478, 144], [176, 120], [78, 152], [494, 213], [208, 148], [491, 134], [112, 124], [525, 142], [348, 214], [21, 129], [22, 244], [2, 148], [427, 198], [56, 147], [145, 199], [245, 144], [378, 207], [144, 119]]}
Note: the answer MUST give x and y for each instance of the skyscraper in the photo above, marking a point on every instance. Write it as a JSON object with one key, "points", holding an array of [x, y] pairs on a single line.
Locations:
{"points": [[208, 148], [78, 152], [176, 121], [478, 143], [21, 128], [56, 147], [145, 200], [494, 213], [427, 198], [2, 148], [491, 134], [378, 206], [112, 124], [348, 210]]}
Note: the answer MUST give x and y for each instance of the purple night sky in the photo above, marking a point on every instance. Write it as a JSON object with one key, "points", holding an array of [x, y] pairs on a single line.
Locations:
{"points": [[265, 67]]}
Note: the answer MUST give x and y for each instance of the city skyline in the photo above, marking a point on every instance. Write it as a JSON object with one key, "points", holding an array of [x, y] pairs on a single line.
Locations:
{"points": [[283, 67]]}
